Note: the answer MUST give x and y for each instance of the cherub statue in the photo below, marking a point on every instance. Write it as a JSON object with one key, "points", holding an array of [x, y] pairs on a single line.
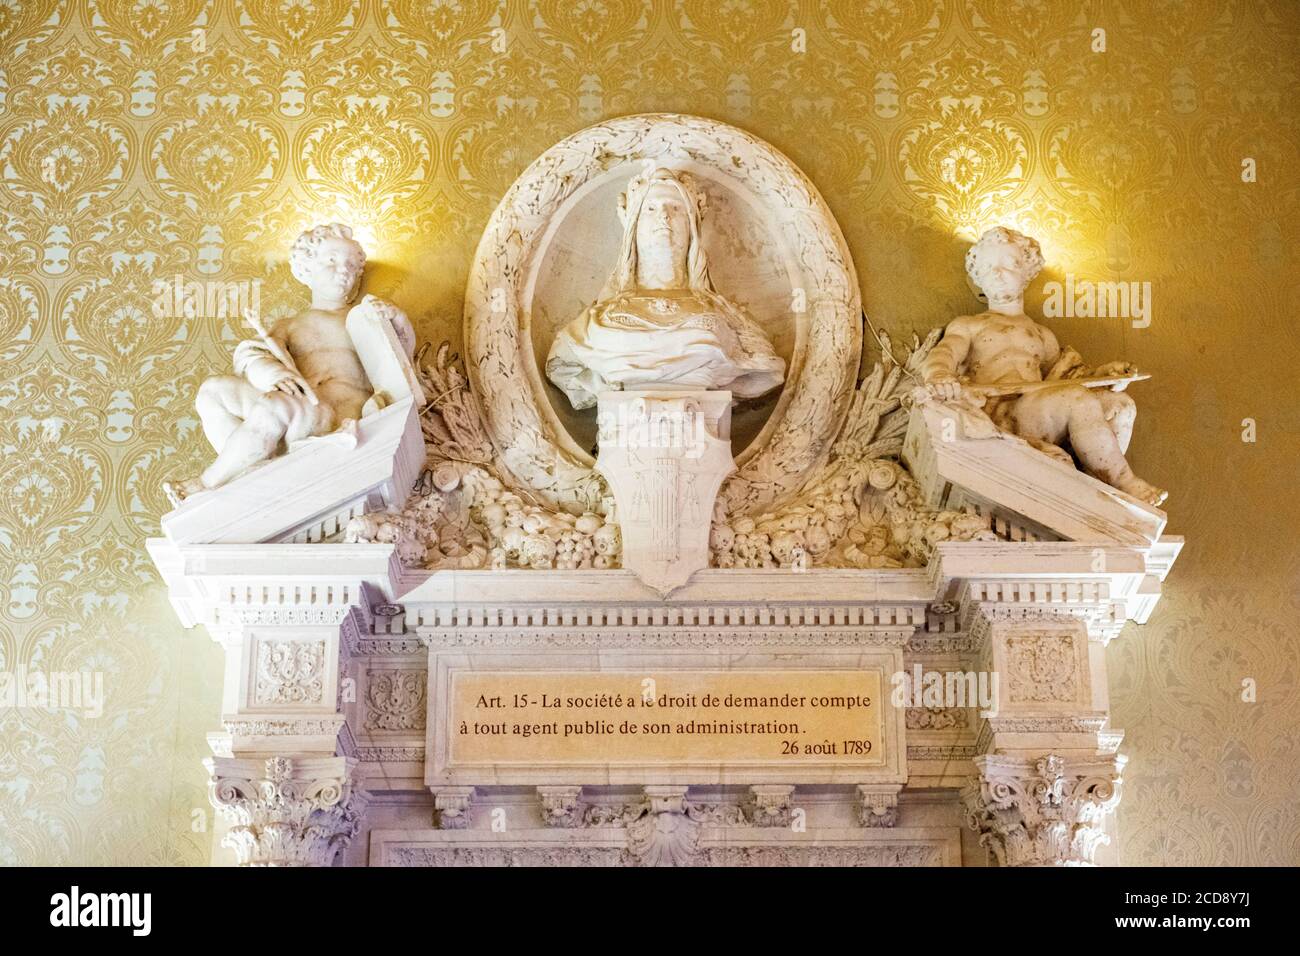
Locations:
{"points": [[659, 322], [985, 358], [302, 379]]}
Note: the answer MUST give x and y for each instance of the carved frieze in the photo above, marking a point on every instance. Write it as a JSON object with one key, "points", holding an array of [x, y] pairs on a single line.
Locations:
{"points": [[281, 616], [281, 726], [450, 856], [943, 752], [936, 718], [676, 841], [746, 856], [839, 856]]}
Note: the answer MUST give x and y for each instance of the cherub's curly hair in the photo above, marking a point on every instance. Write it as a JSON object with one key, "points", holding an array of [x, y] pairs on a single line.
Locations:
{"points": [[304, 247], [1031, 254]]}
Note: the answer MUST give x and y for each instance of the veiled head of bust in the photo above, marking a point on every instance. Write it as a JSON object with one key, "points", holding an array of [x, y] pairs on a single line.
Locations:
{"points": [[661, 248]]}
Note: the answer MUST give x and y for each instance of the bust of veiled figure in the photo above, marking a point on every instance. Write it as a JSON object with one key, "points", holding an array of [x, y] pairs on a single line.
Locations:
{"points": [[659, 322]]}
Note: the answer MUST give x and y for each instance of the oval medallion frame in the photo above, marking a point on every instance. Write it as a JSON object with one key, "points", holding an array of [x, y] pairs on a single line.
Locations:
{"points": [[536, 450]]}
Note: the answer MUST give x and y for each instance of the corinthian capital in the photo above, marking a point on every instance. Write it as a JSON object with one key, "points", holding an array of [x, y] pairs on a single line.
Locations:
{"points": [[286, 811], [1043, 811]]}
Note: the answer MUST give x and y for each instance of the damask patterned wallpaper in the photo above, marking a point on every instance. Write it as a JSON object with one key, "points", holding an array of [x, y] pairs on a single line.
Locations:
{"points": [[150, 139]]}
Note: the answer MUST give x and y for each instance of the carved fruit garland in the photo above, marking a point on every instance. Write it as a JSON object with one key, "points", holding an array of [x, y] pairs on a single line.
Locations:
{"points": [[860, 509], [462, 514]]}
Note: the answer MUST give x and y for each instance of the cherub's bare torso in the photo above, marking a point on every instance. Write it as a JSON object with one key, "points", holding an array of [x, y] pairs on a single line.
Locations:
{"points": [[1006, 348], [319, 343]]}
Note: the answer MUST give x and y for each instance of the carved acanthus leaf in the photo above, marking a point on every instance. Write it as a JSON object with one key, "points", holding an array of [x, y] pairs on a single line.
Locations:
{"points": [[284, 812], [1045, 811]]}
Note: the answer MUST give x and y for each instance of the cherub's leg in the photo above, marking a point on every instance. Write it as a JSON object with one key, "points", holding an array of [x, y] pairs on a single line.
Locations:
{"points": [[256, 438], [1092, 436], [270, 419], [1120, 412], [1095, 444], [223, 403]]}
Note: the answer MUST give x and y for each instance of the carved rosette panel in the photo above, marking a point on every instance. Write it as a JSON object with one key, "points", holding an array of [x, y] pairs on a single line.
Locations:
{"points": [[1044, 811], [532, 444], [290, 672], [395, 700], [285, 812], [1042, 667]]}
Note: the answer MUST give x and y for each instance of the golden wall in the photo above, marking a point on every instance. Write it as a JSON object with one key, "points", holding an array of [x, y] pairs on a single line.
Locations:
{"points": [[145, 139]]}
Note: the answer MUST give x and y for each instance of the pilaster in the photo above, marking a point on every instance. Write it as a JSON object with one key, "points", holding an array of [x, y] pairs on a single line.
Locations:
{"points": [[1047, 776], [282, 774]]}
